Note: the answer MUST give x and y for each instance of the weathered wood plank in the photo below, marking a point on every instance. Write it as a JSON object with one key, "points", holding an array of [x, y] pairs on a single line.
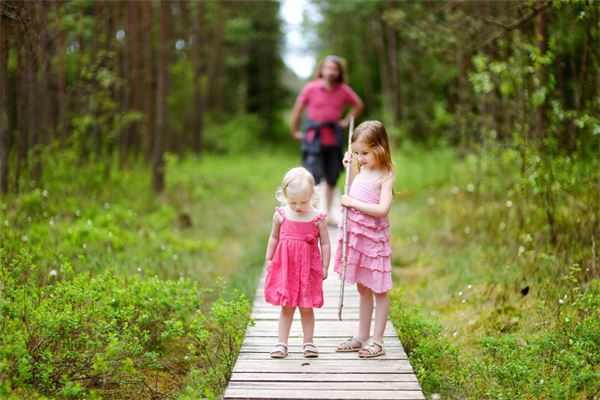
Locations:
{"points": [[326, 386], [321, 377], [316, 365], [320, 394]]}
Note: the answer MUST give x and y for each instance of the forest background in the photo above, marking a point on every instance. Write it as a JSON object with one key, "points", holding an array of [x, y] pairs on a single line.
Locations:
{"points": [[141, 143]]}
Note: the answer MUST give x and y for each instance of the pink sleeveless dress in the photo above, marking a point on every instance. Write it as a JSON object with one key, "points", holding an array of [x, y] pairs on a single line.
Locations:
{"points": [[368, 244], [295, 278]]}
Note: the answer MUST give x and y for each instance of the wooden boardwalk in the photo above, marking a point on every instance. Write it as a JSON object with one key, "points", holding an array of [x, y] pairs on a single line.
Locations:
{"points": [[332, 375]]}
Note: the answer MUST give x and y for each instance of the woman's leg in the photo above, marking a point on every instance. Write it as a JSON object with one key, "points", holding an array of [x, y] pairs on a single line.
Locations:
{"points": [[307, 317], [365, 312], [285, 323]]}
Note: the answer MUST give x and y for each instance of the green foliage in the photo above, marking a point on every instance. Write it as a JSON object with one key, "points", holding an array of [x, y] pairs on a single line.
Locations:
{"points": [[236, 136], [507, 295], [82, 335]]}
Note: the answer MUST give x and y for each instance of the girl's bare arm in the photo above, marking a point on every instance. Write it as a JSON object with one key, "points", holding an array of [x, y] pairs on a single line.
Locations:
{"points": [[325, 245], [273, 239]]}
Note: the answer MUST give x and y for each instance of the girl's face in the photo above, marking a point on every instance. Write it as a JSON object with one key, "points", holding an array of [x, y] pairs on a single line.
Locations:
{"points": [[299, 200], [366, 156]]}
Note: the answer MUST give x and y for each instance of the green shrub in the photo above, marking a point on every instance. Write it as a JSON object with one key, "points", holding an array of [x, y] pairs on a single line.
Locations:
{"points": [[84, 335]]}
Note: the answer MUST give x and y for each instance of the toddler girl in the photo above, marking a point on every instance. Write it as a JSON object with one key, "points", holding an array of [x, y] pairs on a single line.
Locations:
{"points": [[368, 252], [295, 266]]}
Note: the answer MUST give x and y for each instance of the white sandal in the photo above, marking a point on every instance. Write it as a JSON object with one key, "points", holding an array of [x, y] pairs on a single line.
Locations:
{"points": [[373, 349], [279, 351], [310, 350], [346, 346]]}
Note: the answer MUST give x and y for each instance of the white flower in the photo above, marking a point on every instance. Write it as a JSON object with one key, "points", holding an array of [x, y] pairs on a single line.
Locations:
{"points": [[78, 213], [469, 286], [464, 301], [139, 269], [53, 273], [508, 203], [84, 246], [436, 396], [455, 189], [45, 193], [521, 250], [430, 201], [106, 205], [467, 229], [24, 238], [561, 301], [454, 333], [470, 187], [415, 238], [51, 222], [460, 294], [502, 226]]}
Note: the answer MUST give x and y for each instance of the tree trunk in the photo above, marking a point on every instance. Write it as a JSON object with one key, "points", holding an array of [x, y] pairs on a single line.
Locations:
{"points": [[164, 51], [148, 80], [4, 138], [542, 43], [33, 92], [392, 59], [61, 80], [198, 116]]}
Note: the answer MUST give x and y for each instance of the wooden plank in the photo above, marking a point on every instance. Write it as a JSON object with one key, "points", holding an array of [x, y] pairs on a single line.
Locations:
{"points": [[296, 342], [390, 354], [320, 394], [322, 377], [316, 365], [326, 386]]}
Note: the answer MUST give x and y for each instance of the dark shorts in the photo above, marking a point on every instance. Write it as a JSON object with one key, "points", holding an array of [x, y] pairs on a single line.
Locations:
{"points": [[326, 164]]}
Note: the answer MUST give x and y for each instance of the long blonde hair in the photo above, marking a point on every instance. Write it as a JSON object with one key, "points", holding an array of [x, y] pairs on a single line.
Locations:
{"points": [[297, 178], [374, 135]]}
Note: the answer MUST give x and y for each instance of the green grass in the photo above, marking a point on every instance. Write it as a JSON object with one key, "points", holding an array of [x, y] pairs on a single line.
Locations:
{"points": [[490, 308]]}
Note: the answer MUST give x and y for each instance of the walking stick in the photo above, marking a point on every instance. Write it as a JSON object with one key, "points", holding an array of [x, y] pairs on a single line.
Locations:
{"points": [[345, 225]]}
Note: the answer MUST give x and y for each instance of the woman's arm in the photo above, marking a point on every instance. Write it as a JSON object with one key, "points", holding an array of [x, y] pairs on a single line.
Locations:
{"points": [[273, 239], [325, 245], [375, 210]]}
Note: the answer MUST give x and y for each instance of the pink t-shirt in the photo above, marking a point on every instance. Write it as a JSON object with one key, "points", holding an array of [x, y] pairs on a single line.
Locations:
{"points": [[326, 105]]}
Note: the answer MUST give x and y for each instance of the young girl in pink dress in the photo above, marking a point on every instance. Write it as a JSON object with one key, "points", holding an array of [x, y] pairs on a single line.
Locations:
{"points": [[368, 244], [295, 266]]}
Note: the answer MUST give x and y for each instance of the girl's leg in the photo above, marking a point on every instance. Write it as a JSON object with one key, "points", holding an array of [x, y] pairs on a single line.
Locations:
{"points": [[365, 312], [382, 308], [307, 317], [285, 323]]}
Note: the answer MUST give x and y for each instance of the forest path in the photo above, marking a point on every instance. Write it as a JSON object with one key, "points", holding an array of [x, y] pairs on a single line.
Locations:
{"points": [[332, 375]]}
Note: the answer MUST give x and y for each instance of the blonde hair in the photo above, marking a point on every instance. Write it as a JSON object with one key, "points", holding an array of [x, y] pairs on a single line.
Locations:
{"points": [[374, 135], [297, 178]]}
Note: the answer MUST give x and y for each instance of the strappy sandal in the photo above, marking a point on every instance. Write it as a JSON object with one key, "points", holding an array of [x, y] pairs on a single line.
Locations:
{"points": [[346, 346], [279, 351], [373, 349], [310, 351]]}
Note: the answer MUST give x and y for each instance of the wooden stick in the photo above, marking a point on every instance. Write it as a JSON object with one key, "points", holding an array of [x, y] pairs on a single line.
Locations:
{"points": [[345, 224]]}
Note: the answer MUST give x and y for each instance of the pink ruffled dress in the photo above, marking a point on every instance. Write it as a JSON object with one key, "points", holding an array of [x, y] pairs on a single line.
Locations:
{"points": [[295, 278], [368, 252]]}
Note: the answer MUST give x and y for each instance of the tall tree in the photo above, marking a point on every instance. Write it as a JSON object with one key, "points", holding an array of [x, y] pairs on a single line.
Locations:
{"points": [[162, 91], [4, 134]]}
